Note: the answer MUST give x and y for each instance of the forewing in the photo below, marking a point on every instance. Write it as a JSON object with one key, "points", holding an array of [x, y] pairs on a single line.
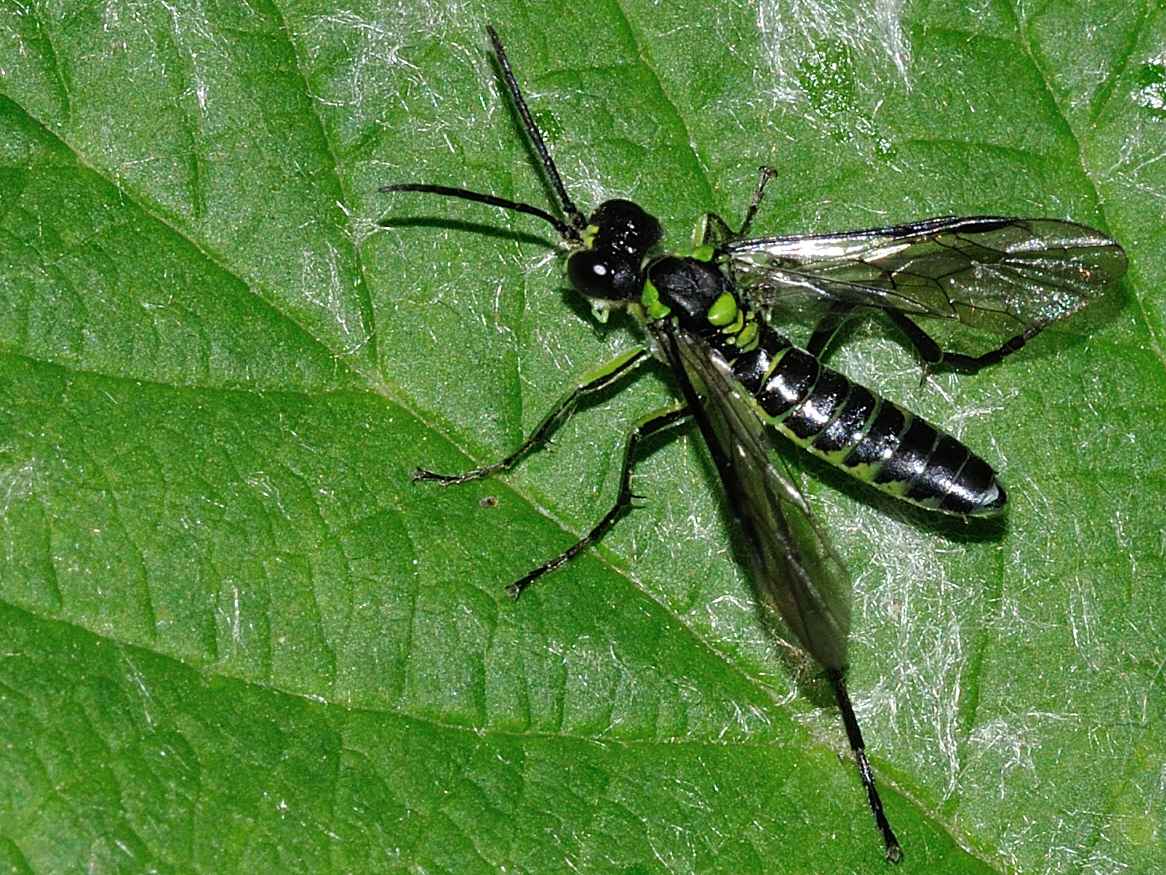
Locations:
{"points": [[1006, 275], [795, 570]]}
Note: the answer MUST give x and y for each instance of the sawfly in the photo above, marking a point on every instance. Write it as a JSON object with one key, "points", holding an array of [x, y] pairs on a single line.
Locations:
{"points": [[709, 313]]}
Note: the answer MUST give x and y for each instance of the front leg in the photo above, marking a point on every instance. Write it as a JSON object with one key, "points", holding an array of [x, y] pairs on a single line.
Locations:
{"points": [[594, 381], [649, 425]]}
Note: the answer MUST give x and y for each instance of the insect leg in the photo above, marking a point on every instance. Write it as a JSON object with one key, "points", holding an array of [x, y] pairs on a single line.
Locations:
{"points": [[827, 327], [592, 382], [717, 230], [767, 173], [934, 356], [648, 425], [894, 852]]}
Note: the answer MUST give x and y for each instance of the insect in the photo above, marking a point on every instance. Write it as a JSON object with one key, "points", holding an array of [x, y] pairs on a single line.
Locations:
{"points": [[708, 315]]}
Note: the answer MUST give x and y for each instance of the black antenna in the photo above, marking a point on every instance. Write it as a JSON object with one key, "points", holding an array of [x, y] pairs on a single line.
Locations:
{"points": [[532, 131], [566, 231]]}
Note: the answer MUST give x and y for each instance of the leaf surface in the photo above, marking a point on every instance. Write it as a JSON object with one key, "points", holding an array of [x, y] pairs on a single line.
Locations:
{"points": [[237, 638]]}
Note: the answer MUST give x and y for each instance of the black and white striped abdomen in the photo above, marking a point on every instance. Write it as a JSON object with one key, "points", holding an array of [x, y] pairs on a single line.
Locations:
{"points": [[868, 437]]}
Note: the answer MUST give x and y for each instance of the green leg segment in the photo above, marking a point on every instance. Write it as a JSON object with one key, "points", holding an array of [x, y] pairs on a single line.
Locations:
{"points": [[594, 381]]}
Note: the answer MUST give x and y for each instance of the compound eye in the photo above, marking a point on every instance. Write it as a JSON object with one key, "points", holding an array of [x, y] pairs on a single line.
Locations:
{"points": [[591, 275]]}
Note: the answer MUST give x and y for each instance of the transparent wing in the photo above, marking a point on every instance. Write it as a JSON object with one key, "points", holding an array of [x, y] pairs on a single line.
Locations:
{"points": [[1001, 274], [796, 571]]}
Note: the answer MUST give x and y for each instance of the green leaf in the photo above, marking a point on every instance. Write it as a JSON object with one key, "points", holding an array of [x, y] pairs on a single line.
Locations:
{"points": [[238, 638]]}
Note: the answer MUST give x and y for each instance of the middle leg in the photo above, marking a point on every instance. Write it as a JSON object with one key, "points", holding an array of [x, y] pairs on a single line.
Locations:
{"points": [[647, 426]]}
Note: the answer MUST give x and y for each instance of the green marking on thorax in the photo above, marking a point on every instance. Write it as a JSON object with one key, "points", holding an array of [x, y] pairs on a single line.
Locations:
{"points": [[737, 325], [723, 311], [747, 339], [650, 300]]}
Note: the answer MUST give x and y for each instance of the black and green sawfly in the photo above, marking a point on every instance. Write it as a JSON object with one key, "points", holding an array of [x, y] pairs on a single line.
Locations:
{"points": [[709, 314]]}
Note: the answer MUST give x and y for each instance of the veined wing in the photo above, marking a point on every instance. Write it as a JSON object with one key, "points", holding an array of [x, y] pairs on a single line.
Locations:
{"points": [[1002, 274], [795, 570]]}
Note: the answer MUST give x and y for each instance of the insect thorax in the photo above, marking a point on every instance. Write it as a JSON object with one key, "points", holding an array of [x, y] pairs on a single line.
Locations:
{"points": [[700, 296]]}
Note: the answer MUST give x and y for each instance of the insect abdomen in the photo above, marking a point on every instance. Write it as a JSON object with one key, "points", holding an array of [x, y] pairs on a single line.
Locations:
{"points": [[868, 437]]}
